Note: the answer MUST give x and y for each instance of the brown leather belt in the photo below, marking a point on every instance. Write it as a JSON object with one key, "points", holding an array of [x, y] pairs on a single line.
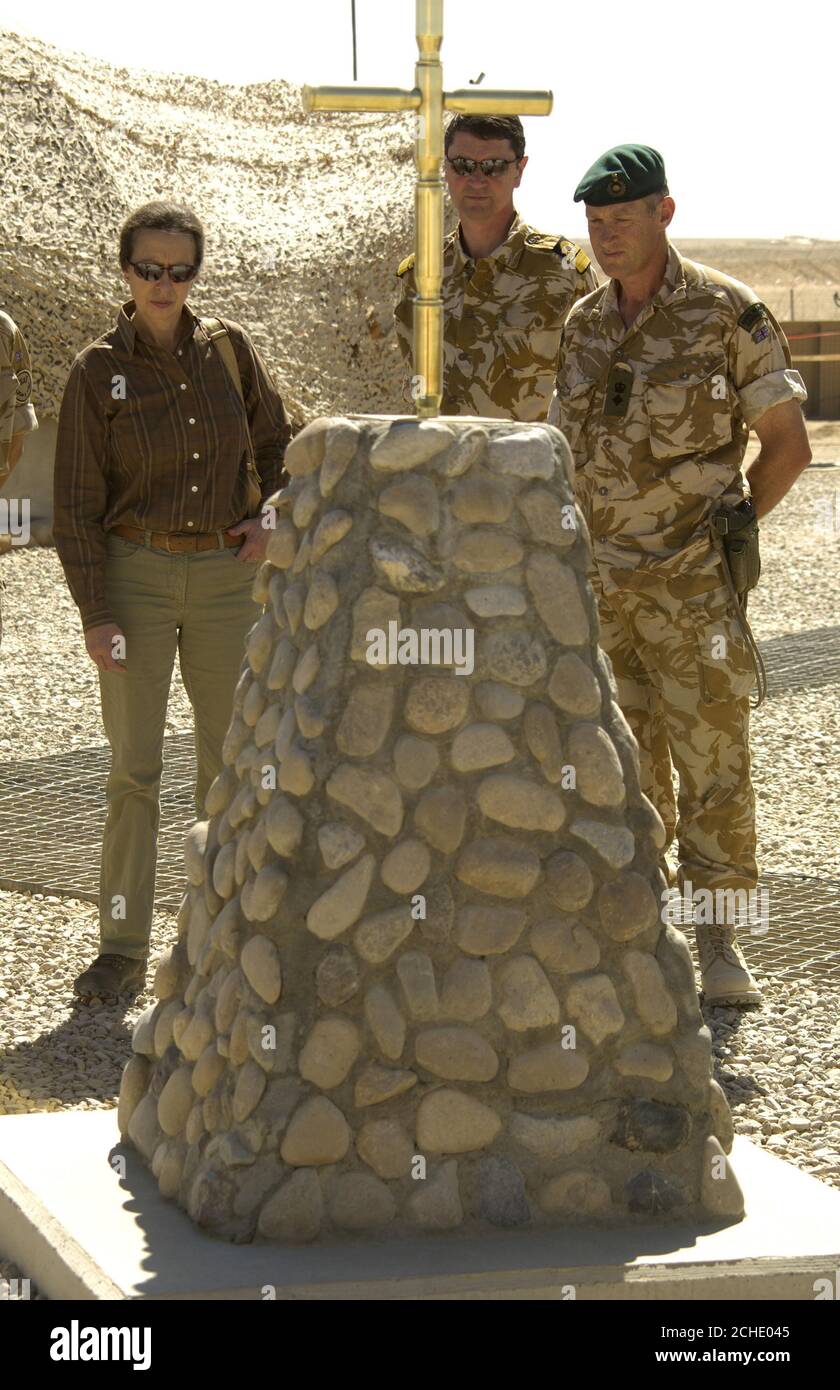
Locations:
{"points": [[176, 541]]}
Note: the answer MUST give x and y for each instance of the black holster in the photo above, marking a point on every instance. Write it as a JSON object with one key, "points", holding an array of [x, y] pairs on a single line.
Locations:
{"points": [[737, 529]]}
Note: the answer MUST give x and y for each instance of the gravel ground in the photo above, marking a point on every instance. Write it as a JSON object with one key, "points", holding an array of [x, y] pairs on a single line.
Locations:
{"points": [[778, 1065], [796, 734]]}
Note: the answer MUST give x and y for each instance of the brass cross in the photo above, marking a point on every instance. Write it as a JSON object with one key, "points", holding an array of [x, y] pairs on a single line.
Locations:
{"points": [[430, 101]]}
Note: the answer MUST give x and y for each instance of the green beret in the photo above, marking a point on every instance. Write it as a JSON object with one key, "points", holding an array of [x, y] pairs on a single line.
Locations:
{"points": [[622, 175]]}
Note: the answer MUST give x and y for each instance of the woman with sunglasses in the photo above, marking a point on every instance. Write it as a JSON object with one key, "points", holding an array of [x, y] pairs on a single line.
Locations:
{"points": [[171, 438]]}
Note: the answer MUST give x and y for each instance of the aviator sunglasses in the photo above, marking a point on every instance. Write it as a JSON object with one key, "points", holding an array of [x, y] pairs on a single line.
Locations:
{"points": [[151, 270], [491, 168]]}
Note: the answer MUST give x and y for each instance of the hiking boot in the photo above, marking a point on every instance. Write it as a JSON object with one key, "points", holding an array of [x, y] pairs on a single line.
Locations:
{"points": [[726, 978], [111, 974]]}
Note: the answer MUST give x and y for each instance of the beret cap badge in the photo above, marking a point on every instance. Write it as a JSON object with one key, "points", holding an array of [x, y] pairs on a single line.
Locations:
{"points": [[622, 175]]}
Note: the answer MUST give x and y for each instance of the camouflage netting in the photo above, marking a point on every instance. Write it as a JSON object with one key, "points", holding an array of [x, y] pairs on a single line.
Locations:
{"points": [[422, 979], [307, 217]]}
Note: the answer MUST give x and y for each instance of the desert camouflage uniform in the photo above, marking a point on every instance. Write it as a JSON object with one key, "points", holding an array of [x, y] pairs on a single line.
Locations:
{"points": [[16, 413], [503, 315], [707, 361]]}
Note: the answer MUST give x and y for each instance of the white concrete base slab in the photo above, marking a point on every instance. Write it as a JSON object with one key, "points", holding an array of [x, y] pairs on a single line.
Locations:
{"points": [[80, 1230]]}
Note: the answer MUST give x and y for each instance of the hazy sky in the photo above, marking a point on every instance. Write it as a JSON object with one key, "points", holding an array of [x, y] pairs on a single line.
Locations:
{"points": [[740, 97]]}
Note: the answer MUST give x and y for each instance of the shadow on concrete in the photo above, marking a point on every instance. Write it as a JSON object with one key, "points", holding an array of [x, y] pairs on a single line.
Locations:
{"points": [[179, 1256]]}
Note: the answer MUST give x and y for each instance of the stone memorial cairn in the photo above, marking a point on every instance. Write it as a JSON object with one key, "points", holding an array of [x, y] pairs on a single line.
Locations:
{"points": [[422, 980]]}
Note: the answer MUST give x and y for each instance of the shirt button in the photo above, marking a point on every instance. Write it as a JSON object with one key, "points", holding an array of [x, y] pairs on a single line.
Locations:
{"points": [[183, 386], [180, 352], [189, 523], [193, 489], [192, 421], [195, 456]]}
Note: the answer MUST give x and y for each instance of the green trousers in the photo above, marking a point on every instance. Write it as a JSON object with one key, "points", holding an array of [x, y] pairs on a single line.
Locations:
{"points": [[199, 606]]}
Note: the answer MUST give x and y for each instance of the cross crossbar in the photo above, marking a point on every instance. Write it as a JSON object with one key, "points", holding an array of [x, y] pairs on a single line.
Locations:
{"points": [[429, 100]]}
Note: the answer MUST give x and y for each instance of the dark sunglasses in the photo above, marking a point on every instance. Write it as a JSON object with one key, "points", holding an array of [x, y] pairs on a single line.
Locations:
{"points": [[151, 270], [491, 168]]}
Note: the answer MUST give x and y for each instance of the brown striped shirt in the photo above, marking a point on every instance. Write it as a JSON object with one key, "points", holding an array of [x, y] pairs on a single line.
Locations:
{"points": [[158, 440]]}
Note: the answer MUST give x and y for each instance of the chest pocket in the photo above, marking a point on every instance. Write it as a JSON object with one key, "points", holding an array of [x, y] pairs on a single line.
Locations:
{"points": [[688, 406], [575, 403], [532, 347], [530, 366]]}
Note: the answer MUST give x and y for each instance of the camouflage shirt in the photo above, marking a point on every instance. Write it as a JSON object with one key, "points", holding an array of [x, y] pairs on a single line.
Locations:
{"points": [[657, 415], [503, 315], [16, 413]]}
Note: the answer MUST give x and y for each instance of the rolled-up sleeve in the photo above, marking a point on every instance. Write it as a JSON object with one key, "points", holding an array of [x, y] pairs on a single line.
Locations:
{"points": [[80, 495], [762, 369], [757, 397]]}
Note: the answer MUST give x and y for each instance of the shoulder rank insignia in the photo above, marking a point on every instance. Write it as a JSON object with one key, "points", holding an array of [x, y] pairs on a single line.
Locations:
{"points": [[572, 255], [753, 316], [407, 264], [540, 241], [755, 321]]}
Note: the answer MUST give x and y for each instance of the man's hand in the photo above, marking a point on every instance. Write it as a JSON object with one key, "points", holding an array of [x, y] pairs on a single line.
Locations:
{"points": [[256, 538], [100, 646]]}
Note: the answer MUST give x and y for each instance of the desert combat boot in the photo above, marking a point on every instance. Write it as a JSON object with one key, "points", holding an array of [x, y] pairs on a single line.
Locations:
{"points": [[726, 977], [111, 974]]}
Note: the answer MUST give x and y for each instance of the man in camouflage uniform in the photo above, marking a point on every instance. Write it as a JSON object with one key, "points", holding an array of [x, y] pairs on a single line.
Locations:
{"points": [[506, 288], [17, 416], [663, 372]]}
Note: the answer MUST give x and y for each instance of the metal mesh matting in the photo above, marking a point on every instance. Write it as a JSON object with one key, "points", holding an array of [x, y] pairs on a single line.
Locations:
{"points": [[802, 936], [52, 813], [802, 660]]}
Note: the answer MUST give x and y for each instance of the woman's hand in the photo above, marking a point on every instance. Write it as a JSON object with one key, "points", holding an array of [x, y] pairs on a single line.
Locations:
{"points": [[102, 642], [256, 538]]}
